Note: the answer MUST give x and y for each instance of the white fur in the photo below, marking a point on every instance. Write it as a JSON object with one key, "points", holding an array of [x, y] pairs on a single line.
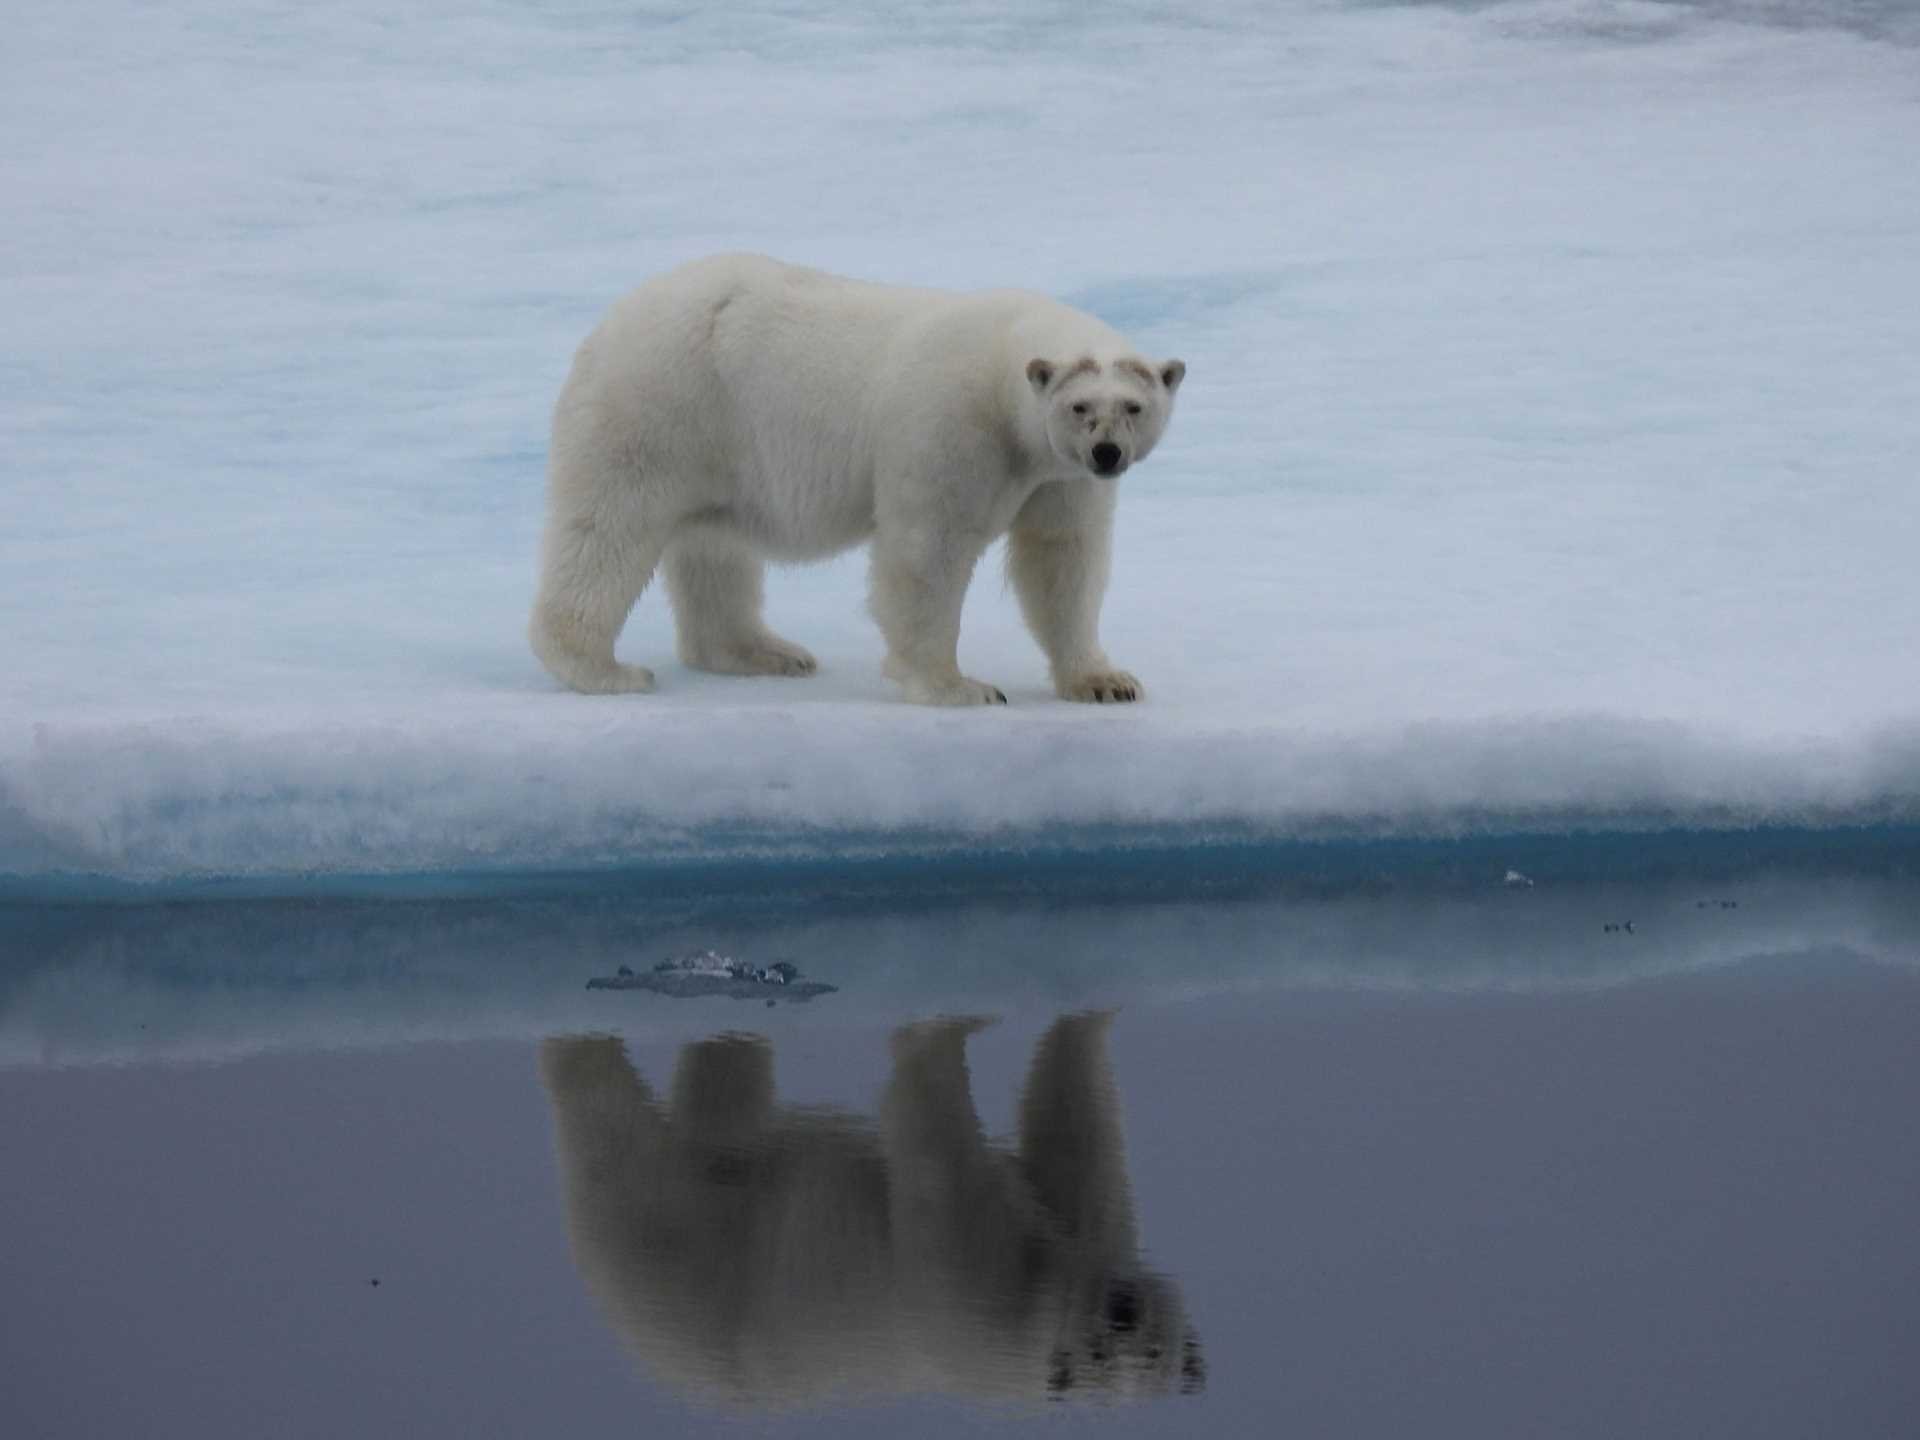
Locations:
{"points": [[739, 409]]}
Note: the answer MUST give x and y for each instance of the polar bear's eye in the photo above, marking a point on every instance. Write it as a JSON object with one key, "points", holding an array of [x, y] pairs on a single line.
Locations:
{"points": [[1080, 408], [1133, 407]]}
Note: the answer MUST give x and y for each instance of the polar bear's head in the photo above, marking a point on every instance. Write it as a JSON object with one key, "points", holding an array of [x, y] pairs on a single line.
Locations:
{"points": [[1128, 1340], [1101, 418]]}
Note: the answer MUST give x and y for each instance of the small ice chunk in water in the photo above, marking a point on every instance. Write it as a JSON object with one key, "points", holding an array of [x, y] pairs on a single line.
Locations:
{"points": [[708, 972]]}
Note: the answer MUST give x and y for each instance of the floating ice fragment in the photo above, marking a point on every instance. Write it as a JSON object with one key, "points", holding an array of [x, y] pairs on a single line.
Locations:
{"points": [[708, 972], [701, 962]]}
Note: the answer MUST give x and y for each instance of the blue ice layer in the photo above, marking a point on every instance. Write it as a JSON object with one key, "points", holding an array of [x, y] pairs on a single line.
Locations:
{"points": [[205, 979], [755, 869]]}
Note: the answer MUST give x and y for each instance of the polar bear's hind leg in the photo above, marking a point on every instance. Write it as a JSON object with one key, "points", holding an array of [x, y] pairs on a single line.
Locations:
{"points": [[594, 565], [716, 583]]}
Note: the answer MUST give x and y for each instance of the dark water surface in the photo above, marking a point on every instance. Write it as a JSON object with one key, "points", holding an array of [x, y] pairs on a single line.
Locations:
{"points": [[1484, 1164]]}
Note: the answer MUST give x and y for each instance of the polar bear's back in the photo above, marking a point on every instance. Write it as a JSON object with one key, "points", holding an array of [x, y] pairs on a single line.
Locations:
{"points": [[735, 309], [741, 312], [739, 352]]}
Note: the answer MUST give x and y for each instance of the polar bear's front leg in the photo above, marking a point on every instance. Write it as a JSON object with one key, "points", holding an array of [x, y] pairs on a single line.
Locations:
{"points": [[1057, 558], [919, 584]]}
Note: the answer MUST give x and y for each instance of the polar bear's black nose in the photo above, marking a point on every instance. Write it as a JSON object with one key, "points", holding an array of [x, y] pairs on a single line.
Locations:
{"points": [[1106, 456]]}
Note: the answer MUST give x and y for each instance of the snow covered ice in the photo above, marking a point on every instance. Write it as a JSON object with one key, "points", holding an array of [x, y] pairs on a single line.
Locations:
{"points": [[1548, 457]]}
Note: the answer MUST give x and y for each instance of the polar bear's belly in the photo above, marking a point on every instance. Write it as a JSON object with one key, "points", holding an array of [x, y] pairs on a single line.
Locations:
{"points": [[796, 516]]}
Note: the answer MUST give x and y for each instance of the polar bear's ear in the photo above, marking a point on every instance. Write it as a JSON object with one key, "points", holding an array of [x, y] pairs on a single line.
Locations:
{"points": [[1172, 373], [1040, 375]]}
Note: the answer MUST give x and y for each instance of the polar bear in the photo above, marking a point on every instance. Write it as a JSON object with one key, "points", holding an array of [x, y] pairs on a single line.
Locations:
{"points": [[766, 1256], [739, 409]]}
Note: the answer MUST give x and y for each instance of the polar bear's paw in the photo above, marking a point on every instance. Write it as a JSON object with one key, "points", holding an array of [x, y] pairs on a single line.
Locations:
{"points": [[775, 656], [1103, 687], [948, 689], [958, 691], [921, 1036], [763, 654], [606, 679], [577, 1062]]}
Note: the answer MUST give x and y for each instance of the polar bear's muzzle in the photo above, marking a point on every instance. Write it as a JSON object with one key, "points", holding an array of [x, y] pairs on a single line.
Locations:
{"points": [[1107, 459]]}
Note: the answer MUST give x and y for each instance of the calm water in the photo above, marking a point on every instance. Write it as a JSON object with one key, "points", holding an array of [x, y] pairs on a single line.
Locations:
{"points": [[1474, 1164]]}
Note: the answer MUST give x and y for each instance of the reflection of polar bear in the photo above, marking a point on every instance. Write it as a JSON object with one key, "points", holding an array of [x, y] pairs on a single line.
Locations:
{"points": [[737, 409], [765, 1256]]}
